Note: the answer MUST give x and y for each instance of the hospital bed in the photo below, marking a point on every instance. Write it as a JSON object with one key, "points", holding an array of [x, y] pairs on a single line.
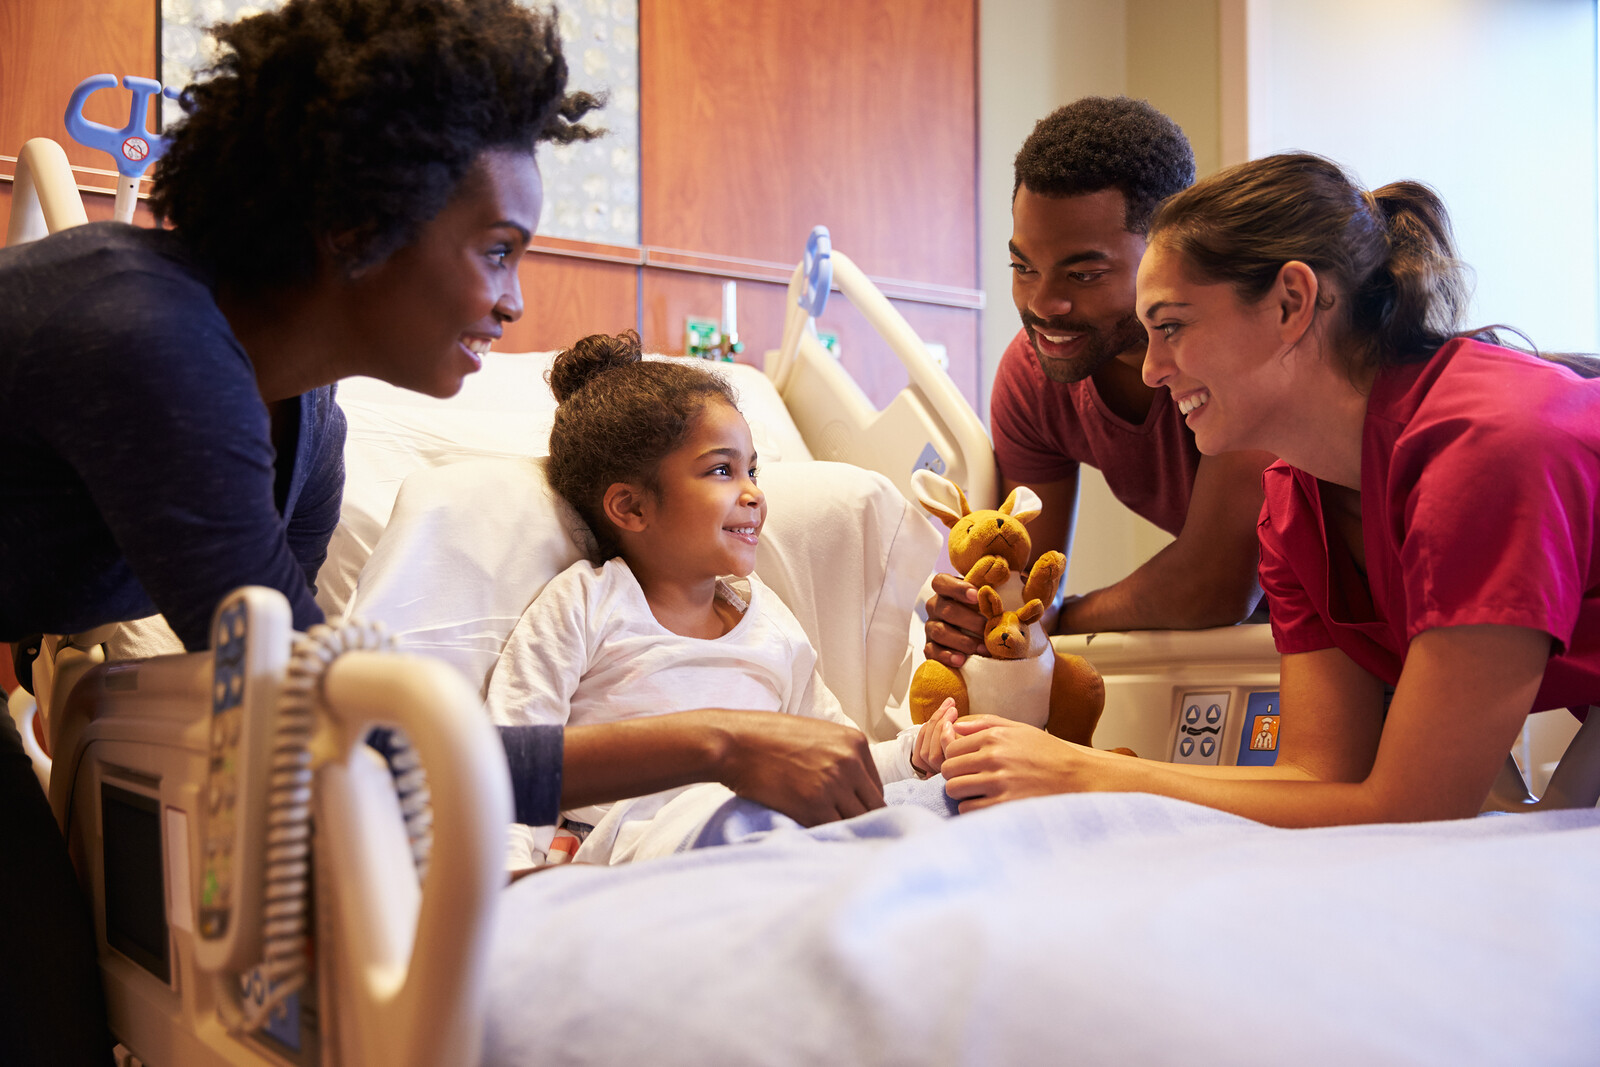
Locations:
{"points": [[1095, 929]]}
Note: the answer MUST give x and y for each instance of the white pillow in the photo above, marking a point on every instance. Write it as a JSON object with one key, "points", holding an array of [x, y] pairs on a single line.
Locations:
{"points": [[470, 545], [504, 410]]}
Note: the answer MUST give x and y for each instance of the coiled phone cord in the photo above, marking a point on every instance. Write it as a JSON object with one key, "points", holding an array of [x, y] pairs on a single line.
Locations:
{"points": [[288, 837]]}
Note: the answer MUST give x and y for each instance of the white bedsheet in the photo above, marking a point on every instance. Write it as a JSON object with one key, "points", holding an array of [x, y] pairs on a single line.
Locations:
{"points": [[1078, 929]]}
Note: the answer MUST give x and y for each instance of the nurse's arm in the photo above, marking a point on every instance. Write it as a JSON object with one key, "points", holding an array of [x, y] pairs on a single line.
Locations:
{"points": [[1206, 577], [1463, 696]]}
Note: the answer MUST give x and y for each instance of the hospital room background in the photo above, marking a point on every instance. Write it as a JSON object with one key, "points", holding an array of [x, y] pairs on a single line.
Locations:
{"points": [[739, 126]]}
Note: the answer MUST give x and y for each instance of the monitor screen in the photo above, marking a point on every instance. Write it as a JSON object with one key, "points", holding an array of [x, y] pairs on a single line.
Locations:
{"points": [[136, 903]]}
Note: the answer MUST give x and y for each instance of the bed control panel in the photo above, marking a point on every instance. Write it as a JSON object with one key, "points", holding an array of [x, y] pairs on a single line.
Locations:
{"points": [[250, 649], [1211, 730], [1202, 717]]}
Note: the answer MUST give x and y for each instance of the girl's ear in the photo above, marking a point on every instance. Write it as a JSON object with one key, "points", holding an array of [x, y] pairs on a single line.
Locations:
{"points": [[626, 506]]}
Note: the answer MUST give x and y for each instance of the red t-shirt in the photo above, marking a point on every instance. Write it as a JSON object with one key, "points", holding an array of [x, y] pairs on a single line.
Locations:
{"points": [[1042, 430], [1480, 475]]}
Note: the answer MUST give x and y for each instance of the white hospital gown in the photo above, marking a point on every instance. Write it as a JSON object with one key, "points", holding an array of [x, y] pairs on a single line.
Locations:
{"points": [[588, 650]]}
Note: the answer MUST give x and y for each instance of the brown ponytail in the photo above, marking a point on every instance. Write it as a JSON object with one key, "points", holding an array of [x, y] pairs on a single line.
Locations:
{"points": [[1411, 303], [1390, 254]]}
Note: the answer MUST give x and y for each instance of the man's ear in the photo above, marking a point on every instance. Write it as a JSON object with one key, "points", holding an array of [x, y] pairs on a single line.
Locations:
{"points": [[1294, 297], [626, 506]]}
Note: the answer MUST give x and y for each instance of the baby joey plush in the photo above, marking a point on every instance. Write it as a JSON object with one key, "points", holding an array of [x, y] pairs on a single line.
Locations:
{"points": [[1021, 676]]}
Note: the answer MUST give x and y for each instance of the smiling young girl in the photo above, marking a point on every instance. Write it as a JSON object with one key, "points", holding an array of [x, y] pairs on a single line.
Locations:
{"points": [[657, 460], [1429, 544]]}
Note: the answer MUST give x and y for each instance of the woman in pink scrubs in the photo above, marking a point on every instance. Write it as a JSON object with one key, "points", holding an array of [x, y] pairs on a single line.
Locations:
{"points": [[1428, 543]]}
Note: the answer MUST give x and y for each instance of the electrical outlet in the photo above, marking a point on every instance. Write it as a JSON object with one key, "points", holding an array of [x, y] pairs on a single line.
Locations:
{"points": [[1202, 717]]}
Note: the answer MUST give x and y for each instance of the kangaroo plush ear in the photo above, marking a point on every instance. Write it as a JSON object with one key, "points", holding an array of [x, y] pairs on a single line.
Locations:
{"points": [[1023, 505], [1031, 613], [942, 497], [989, 602]]}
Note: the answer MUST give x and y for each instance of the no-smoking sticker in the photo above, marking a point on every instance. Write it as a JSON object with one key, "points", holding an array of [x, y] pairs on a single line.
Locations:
{"points": [[136, 148]]}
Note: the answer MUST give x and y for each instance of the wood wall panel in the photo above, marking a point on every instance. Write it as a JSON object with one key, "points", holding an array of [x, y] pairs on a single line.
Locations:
{"points": [[97, 206], [564, 299], [669, 296], [759, 120], [762, 119], [48, 46]]}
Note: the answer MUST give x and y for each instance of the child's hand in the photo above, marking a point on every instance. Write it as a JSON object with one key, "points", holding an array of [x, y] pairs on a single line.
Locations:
{"points": [[927, 755]]}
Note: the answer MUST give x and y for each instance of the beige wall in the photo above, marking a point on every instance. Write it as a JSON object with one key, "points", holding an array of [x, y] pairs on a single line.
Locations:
{"points": [[1173, 49], [1034, 56]]}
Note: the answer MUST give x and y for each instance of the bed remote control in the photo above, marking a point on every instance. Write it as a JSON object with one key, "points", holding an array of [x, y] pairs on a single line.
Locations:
{"points": [[250, 650]]}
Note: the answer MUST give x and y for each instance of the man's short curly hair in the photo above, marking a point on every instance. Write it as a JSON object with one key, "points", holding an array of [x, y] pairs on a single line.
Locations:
{"points": [[1107, 142], [354, 120]]}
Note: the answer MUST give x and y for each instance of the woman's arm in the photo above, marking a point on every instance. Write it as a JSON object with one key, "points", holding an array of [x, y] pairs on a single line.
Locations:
{"points": [[810, 770], [1462, 697]]}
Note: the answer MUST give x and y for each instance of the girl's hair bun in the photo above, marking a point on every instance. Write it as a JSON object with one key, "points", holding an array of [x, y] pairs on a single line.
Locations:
{"points": [[590, 358]]}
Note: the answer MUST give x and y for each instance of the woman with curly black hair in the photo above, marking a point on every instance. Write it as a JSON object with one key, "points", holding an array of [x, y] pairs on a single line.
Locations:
{"points": [[350, 193]]}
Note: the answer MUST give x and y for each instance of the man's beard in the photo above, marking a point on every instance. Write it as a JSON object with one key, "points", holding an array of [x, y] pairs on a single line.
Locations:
{"points": [[1099, 347]]}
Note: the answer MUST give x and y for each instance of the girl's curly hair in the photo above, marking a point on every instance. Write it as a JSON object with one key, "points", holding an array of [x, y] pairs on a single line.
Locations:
{"points": [[354, 119], [618, 416]]}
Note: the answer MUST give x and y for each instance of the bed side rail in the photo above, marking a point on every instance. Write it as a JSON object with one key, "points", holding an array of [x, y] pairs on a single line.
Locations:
{"points": [[415, 994], [929, 424], [44, 196], [401, 956]]}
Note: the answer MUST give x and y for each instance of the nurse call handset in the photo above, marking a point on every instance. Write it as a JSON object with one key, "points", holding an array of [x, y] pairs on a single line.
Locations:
{"points": [[250, 650]]}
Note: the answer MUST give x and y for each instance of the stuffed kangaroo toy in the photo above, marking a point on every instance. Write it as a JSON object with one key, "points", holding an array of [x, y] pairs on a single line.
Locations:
{"points": [[1021, 677]]}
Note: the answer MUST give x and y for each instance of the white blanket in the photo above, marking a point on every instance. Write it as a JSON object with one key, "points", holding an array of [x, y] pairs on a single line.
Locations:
{"points": [[1091, 929]]}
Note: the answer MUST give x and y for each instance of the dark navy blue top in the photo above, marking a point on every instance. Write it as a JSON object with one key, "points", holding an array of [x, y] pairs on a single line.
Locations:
{"points": [[137, 470]]}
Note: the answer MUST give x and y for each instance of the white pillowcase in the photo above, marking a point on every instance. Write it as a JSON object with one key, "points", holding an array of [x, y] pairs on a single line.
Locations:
{"points": [[469, 545], [504, 410]]}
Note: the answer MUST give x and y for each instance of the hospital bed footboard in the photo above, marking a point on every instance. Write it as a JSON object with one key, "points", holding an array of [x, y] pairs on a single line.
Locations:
{"points": [[1210, 697], [399, 932]]}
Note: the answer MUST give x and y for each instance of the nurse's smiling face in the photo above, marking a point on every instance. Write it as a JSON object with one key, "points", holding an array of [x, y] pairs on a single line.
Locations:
{"points": [[1226, 362], [429, 312]]}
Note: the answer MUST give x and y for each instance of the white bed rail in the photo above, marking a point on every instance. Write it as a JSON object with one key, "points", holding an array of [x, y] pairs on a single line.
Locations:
{"points": [[44, 195], [929, 424], [400, 965], [406, 1001]]}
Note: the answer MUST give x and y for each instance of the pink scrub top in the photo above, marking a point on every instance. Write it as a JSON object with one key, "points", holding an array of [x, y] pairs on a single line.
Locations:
{"points": [[1043, 430], [1480, 477]]}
